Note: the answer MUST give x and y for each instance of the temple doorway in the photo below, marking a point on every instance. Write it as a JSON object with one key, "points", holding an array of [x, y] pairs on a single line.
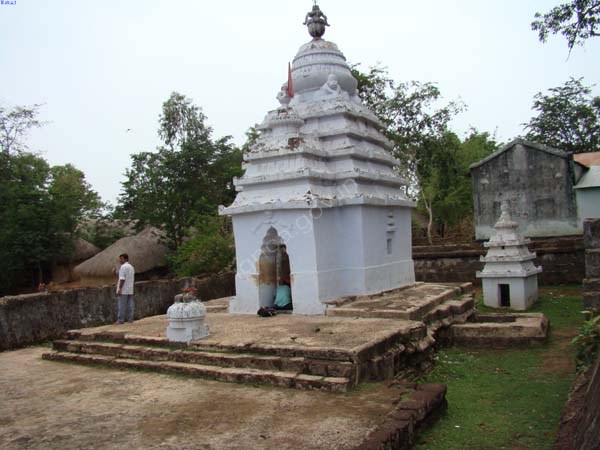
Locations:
{"points": [[274, 268], [504, 291]]}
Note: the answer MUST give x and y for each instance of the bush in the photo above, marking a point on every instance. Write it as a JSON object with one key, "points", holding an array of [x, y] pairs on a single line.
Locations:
{"points": [[587, 342], [210, 249]]}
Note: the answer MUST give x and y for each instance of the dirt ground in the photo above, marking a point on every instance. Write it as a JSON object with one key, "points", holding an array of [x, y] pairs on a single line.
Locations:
{"points": [[52, 405]]}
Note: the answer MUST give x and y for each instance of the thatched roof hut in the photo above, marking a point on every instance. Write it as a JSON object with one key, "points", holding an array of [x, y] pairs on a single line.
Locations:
{"points": [[62, 269], [146, 251]]}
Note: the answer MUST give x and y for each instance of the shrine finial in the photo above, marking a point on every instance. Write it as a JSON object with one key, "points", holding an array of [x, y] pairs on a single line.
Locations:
{"points": [[316, 22]]}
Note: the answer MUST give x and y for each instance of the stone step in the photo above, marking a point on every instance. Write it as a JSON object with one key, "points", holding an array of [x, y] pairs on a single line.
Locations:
{"points": [[120, 337], [329, 368], [420, 312], [368, 313], [420, 405], [228, 374], [451, 308], [502, 330]]}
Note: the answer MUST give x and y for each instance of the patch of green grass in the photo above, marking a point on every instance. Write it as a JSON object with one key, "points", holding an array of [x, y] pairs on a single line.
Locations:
{"points": [[561, 304], [500, 399]]}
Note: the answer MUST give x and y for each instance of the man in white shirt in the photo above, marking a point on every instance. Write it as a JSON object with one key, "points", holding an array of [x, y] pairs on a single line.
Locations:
{"points": [[125, 282]]}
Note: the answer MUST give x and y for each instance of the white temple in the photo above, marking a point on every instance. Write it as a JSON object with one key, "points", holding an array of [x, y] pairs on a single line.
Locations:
{"points": [[509, 277], [320, 202]]}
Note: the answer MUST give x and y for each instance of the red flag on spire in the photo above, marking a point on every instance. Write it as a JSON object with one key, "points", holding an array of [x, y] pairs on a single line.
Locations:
{"points": [[290, 84]]}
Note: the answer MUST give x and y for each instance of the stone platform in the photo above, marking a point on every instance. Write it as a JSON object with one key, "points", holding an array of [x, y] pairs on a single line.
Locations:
{"points": [[419, 301], [366, 338], [505, 330]]}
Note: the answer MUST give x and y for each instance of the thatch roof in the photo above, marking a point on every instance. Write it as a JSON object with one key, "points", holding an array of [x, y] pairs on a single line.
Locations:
{"points": [[146, 252], [82, 250]]}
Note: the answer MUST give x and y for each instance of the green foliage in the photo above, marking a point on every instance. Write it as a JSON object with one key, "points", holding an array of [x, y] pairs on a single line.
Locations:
{"points": [[71, 197], [103, 237], [587, 342], [103, 231], [434, 160], [252, 135], [577, 21], [449, 178], [508, 398], [39, 209], [182, 122], [14, 124], [410, 112], [568, 118], [188, 178], [210, 248]]}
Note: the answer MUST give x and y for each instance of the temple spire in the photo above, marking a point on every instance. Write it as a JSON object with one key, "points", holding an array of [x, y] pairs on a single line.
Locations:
{"points": [[316, 22]]}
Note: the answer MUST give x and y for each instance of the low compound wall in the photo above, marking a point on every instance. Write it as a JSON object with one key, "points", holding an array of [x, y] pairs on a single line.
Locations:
{"points": [[591, 284], [33, 318], [562, 260], [579, 426]]}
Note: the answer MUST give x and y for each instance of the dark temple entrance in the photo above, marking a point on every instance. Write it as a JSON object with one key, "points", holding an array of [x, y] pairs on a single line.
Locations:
{"points": [[504, 294]]}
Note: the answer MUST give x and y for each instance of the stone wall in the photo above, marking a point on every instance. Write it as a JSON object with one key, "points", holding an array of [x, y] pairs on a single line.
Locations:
{"points": [[562, 260], [579, 426], [537, 181], [33, 318], [591, 284]]}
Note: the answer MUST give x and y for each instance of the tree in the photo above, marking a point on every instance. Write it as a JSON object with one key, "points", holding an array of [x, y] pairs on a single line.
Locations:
{"points": [[210, 248], [447, 187], [181, 122], [14, 124], [414, 124], [568, 118], [185, 179], [39, 209], [577, 21], [252, 135], [70, 199], [40, 205]]}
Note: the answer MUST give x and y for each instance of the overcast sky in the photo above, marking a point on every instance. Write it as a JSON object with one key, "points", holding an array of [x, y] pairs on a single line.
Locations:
{"points": [[102, 67]]}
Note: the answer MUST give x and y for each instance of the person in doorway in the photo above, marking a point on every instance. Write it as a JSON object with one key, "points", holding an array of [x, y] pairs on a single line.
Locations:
{"points": [[125, 280], [283, 296]]}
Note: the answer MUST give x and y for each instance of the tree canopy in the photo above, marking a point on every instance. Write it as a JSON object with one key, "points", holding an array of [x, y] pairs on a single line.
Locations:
{"points": [[15, 123], [577, 21], [183, 180], [568, 118], [433, 158], [40, 207]]}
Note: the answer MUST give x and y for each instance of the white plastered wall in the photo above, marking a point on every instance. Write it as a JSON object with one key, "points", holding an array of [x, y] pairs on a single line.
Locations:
{"points": [[523, 292], [334, 252]]}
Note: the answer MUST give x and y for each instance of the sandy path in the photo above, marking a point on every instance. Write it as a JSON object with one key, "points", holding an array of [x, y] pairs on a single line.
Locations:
{"points": [[52, 405]]}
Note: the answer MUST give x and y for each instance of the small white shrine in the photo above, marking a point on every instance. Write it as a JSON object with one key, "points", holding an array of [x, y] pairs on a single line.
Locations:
{"points": [[509, 277], [187, 319], [320, 203]]}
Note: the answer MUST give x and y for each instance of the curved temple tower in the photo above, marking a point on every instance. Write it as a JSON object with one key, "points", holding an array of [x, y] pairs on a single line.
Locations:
{"points": [[320, 203]]}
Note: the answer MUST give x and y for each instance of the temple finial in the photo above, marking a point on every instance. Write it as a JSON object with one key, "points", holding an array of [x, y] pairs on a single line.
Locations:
{"points": [[316, 22]]}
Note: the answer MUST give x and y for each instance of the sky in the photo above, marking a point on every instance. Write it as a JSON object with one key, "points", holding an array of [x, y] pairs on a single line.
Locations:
{"points": [[100, 68]]}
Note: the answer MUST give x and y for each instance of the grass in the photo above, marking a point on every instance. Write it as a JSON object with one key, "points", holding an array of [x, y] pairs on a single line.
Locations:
{"points": [[508, 399]]}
